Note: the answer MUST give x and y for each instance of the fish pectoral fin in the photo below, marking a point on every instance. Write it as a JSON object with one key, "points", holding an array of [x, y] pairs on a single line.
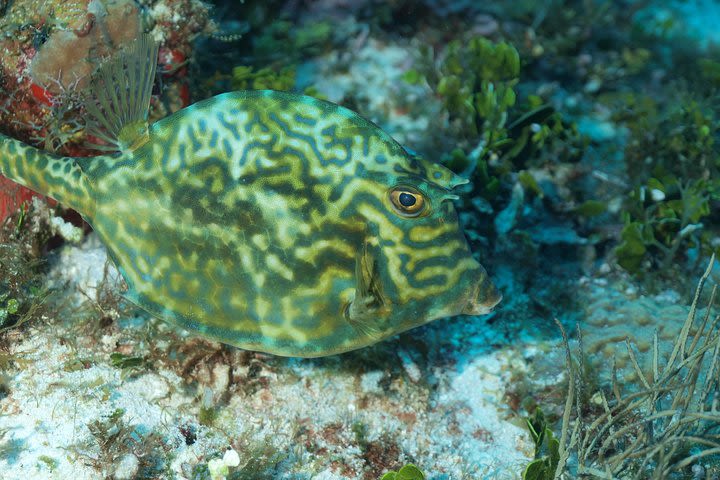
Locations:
{"points": [[120, 96], [368, 309]]}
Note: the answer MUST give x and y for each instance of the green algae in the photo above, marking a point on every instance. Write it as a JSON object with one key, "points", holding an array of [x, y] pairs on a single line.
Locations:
{"points": [[292, 41], [547, 449], [664, 218], [673, 167], [249, 78], [23, 296], [591, 208], [208, 415], [8, 307], [260, 462], [360, 431], [116, 439], [476, 83], [112, 437], [49, 462], [407, 472], [129, 365]]}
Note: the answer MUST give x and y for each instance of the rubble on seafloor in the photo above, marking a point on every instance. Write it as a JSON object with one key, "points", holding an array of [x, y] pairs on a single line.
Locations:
{"points": [[371, 73]]}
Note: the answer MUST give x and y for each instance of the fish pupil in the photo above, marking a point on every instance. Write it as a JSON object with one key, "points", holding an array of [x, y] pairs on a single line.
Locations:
{"points": [[407, 199]]}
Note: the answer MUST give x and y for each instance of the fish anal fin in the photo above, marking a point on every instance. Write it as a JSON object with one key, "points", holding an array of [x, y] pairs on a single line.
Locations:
{"points": [[120, 96]]}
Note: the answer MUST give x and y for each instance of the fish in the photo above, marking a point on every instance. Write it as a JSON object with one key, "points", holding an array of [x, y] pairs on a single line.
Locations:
{"points": [[267, 220]]}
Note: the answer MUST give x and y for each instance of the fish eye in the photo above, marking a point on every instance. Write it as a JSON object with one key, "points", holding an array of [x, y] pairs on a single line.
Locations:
{"points": [[407, 201]]}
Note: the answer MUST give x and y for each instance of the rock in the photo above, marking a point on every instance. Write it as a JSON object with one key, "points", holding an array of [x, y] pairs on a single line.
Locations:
{"points": [[128, 467]]}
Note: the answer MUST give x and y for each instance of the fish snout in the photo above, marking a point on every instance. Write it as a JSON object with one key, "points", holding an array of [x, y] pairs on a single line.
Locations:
{"points": [[484, 298]]}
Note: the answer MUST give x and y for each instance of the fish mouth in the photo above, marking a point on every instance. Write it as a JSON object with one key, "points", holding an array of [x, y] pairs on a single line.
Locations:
{"points": [[484, 299]]}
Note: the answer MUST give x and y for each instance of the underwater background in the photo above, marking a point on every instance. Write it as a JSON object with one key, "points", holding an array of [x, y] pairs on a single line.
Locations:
{"points": [[590, 133]]}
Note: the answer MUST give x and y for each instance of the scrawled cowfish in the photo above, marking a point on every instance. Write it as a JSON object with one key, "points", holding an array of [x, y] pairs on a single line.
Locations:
{"points": [[271, 221]]}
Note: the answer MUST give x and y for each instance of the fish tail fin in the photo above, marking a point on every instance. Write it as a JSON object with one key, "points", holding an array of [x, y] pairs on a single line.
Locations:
{"points": [[120, 96], [57, 177]]}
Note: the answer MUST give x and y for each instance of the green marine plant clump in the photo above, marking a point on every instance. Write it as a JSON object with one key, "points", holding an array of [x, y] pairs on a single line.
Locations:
{"points": [[547, 449], [22, 295], [8, 308], [673, 155], [127, 364], [115, 441], [664, 218], [494, 135], [247, 78], [408, 472], [292, 42], [475, 82]]}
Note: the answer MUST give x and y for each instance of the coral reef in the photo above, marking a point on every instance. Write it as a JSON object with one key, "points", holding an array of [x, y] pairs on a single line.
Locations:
{"points": [[590, 132], [49, 50]]}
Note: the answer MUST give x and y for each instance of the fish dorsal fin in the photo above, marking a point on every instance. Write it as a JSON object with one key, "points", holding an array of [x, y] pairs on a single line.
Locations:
{"points": [[120, 96]]}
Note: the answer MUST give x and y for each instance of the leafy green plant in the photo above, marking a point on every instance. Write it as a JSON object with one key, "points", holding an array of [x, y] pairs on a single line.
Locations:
{"points": [[8, 307], [408, 472], [547, 449], [495, 135], [475, 81], [128, 364], [290, 41], [125, 361], [247, 78], [673, 156], [664, 217]]}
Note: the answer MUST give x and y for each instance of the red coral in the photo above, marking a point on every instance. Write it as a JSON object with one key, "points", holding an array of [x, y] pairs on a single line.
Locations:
{"points": [[172, 62], [12, 196], [185, 94], [41, 95], [84, 30]]}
